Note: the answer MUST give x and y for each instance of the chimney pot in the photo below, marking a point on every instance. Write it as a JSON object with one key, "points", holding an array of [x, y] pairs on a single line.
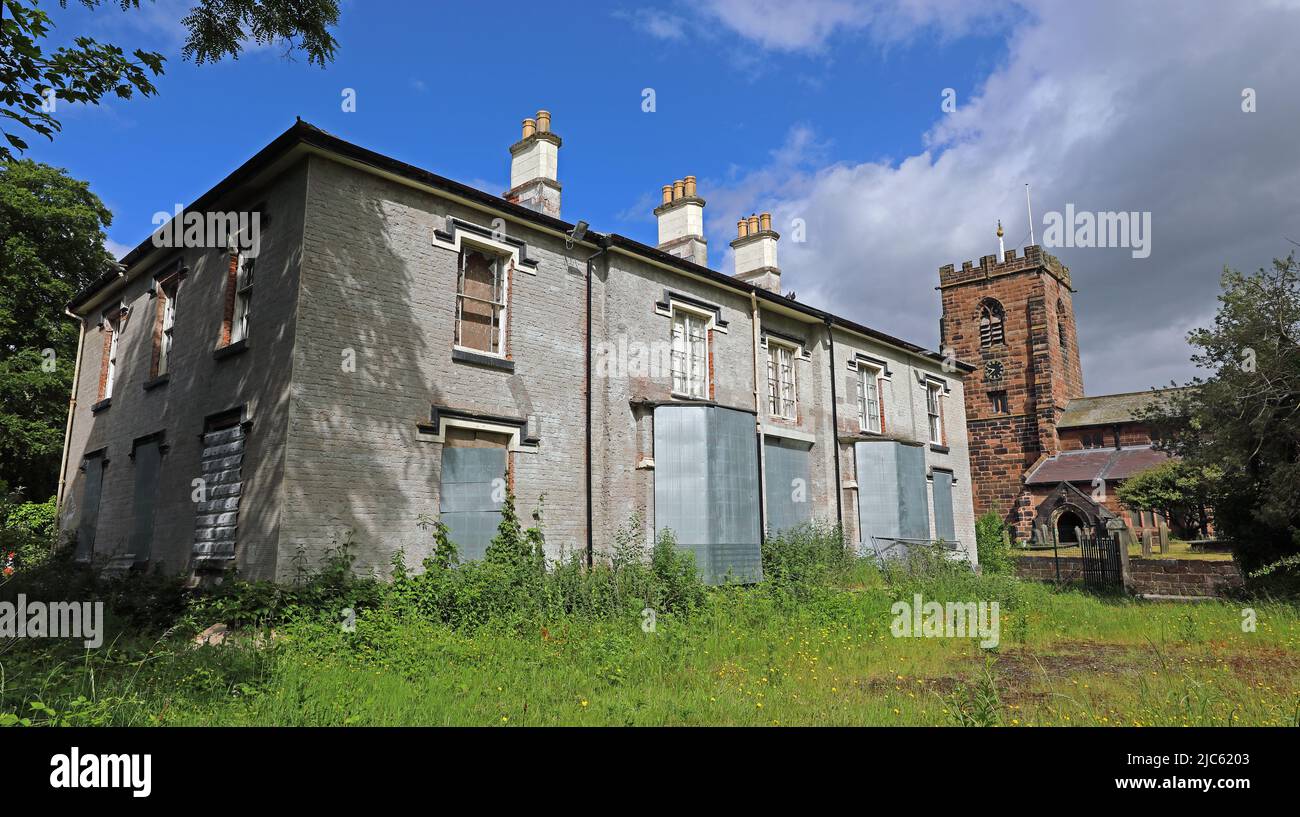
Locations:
{"points": [[755, 252], [534, 167], [681, 222]]}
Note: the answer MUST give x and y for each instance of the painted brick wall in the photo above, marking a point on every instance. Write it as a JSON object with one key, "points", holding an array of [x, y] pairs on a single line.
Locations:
{"points": [[198, 386], [374, 286]]}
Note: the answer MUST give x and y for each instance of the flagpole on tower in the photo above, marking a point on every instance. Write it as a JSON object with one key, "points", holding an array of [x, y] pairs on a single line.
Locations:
{"points": [[1030, 205]]}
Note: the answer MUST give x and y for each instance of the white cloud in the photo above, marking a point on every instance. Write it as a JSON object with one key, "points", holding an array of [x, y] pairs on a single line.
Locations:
{"points": [[1109, 106], [656, 22]]}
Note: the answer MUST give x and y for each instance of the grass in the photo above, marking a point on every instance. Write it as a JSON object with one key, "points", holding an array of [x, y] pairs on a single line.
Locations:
{"points": [[1178, 549], [795, 653]]}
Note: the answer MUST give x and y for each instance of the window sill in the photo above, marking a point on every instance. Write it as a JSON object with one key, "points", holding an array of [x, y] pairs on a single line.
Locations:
{"points": [[482, 359], [938, 449], [160, 380], [95, 408], [230, 349]]}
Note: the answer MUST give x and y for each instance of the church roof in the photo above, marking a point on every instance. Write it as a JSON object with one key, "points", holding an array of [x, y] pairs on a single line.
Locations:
{"points": [[1094, 463], [1108, 409]]}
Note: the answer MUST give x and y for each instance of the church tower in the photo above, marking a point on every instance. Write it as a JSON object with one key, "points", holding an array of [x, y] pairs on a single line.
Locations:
{"points": [[1013, 319]]}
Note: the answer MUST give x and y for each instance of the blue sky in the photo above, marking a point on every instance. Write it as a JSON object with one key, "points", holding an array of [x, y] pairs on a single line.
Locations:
{"points": [[827, 110]]}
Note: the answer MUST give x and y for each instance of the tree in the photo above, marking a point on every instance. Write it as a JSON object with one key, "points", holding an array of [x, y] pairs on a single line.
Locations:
{"points": [[51, 246], [1180, 491], [1243, 418], [32, 80]]}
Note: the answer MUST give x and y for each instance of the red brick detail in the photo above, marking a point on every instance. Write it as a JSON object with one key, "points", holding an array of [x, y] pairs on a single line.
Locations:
{"points": [[712, 394], [228, 316], [107, 329]]}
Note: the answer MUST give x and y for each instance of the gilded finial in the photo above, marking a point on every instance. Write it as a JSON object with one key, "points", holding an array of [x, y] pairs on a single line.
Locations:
{"points": [[999, 228]]}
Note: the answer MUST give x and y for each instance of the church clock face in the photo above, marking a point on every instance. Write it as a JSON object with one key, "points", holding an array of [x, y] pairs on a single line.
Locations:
{"points": [[993, 370]]}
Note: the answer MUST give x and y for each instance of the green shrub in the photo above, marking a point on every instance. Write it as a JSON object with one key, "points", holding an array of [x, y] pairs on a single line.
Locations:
{"points": [[993, 545], [804, 557], [27, 535]]}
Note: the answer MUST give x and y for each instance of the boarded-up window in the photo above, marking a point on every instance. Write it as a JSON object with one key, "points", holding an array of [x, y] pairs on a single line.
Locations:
{"points": [[787, 463], [148, 464], [481, 302], [472, 488], [91, 488], [706, 488], [108, 370], [892, 502], [944, 527], [216, 520]]}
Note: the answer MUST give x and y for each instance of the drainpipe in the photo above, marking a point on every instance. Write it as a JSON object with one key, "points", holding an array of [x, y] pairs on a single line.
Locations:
{"points": [[591, 534], [758, 419], [72, 409], [835, 431]]}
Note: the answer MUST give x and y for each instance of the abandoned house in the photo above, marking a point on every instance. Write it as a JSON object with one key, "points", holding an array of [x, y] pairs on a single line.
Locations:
{"points": [[398, 346]]}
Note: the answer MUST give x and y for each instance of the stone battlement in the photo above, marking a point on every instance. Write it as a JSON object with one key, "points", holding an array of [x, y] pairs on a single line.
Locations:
{"points": [[988, 267]]}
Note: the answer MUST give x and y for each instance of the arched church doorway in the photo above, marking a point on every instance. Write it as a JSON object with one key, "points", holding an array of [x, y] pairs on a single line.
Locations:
{"points": [[1067, 525]]}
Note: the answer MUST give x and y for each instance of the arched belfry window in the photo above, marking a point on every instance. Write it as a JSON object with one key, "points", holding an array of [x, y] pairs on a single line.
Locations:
{"points": [[991, 323], [1060, 322]]}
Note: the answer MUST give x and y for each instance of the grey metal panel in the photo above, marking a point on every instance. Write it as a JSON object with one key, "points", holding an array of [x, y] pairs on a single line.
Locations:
{"points": [[148, 462], [878, 490], [943, 522], [91, 489], [706, 488], [787, 463], [467, 505], [913, 505], [892, 501]]}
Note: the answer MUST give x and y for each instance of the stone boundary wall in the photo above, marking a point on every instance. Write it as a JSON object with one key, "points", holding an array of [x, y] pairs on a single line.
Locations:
{"points": [[1164, 577]]}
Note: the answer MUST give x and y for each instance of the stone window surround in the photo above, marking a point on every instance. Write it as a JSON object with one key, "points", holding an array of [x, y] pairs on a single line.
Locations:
{"points": [[524, 433]]}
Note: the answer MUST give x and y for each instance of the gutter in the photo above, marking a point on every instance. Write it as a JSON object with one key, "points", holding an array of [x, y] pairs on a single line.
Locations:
{"points": [[72, 410], [758, 419], [591, 534], [835, 431]]}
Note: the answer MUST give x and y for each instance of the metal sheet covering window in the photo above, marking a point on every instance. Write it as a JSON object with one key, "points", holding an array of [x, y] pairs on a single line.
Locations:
{"points": [[943, 523], [91, 488], [706, 488], [148, 464], [788, 465], [892, 501], [472, 489]]}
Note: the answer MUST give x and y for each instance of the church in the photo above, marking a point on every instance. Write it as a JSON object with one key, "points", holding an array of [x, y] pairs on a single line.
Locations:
{"points": [[1043, 455]]}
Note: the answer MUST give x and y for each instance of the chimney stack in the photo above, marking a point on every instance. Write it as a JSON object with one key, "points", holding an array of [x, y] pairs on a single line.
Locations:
{"points": [[534, 167], [681, 222], [755, 249]]}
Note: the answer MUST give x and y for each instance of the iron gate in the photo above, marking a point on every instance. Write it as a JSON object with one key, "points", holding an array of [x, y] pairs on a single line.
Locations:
{"points": [[1102, 568]]}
